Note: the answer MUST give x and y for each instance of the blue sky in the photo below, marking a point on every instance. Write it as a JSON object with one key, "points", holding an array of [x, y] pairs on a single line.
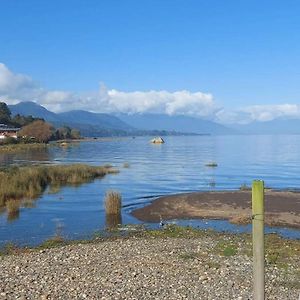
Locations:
{"points": [[243, 53]]}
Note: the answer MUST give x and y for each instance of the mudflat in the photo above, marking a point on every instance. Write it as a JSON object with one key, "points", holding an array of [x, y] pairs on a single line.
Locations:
{"points": [[282, 208]]}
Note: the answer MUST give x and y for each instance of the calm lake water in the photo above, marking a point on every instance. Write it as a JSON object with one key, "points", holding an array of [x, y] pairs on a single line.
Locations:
{"points": [[174, 167]]}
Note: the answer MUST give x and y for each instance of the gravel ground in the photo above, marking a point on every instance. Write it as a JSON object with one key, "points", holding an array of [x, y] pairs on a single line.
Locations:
{"points": [[140, 268]]}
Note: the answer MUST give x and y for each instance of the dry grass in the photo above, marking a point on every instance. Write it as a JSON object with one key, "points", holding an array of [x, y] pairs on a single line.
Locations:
{"points": [[113, 203], [29, 182], [11, 148]]}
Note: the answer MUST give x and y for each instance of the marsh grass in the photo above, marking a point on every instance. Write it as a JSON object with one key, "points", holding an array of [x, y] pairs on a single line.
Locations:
{"points": [[113, 203], [11, 148], [19, 183], [113, 207], [113, 221]]}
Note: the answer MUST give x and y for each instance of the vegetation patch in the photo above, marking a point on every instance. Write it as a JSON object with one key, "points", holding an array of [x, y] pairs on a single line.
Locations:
{"points": [[226, 248], [279, 250], [20, 147], [175, 231], [53, 242], [17, 183], [113, 203], [113, 206]]}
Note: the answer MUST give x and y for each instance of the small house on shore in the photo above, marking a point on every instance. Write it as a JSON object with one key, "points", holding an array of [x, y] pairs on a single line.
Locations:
{"points": [[6, 131]]}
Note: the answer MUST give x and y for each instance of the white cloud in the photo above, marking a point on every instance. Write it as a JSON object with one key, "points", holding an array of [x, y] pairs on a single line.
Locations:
{"points": [[180, 102], [270, 112], [17, 87], [260, 113]]}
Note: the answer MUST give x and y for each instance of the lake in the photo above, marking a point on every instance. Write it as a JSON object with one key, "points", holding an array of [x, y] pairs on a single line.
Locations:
{"points": [[177, 166]]}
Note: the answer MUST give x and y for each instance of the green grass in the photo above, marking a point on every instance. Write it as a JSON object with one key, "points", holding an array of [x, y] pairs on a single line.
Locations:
{"points": [[226, 248], [19, 183], [175, 231], [53, 242]]}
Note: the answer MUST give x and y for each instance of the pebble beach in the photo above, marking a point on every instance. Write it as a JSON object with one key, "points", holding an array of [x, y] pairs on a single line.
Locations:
{"points": [[147, 267]]}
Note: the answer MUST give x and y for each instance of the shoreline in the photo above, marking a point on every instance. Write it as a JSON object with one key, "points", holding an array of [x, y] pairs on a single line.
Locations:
{"points": [[282, 208], [173, 263]]}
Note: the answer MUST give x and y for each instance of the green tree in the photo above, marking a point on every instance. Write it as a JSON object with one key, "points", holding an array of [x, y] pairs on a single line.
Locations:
{"points": [[75, 134], [63, 133], [5, 113]]}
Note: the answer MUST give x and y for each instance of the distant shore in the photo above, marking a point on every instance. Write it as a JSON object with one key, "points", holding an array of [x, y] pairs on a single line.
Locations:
{"points": [[282, 208]]}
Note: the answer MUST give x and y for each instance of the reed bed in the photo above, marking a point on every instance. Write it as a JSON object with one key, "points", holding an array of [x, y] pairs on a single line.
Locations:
{"points": [[113, 203], [12, 148], [19, 183], [113, 206]]}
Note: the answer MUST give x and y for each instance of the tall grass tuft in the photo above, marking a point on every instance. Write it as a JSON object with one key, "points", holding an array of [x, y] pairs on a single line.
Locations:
{"points": [[113, 203], [112, 221]]}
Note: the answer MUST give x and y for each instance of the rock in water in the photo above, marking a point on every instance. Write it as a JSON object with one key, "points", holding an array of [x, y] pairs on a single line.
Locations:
{"points": [[157, 140]]}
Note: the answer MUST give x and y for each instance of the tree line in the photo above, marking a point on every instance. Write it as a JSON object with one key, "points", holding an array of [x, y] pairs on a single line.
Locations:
{"points": [[34, 129]]}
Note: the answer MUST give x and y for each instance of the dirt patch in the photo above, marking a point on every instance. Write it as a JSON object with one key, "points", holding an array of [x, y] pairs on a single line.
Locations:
{"points": [[282, 208]]}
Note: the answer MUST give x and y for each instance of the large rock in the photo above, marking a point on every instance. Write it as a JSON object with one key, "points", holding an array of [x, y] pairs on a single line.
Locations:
{"points": [[157, 140]]}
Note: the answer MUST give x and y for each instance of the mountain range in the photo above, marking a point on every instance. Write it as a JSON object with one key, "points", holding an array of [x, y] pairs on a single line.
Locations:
{"points": [[101, 124], [178, 123], [121, 124], [89, 124]]}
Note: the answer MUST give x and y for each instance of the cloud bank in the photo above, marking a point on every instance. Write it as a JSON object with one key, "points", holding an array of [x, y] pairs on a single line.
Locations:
{"points": [[259, 113], [15, 88], [18, 87]]}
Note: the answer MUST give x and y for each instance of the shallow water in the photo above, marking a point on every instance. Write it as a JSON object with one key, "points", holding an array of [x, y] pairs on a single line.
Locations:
{"points": [[174, 167]]}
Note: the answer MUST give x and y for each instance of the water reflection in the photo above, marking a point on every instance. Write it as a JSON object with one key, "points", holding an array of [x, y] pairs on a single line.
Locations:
{"points": [[112, 221], [13, 215], [13, 210], [26, 156]]}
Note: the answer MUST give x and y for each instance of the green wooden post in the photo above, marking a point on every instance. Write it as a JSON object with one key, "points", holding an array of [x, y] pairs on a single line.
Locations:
{"points": [[258, 239]]}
